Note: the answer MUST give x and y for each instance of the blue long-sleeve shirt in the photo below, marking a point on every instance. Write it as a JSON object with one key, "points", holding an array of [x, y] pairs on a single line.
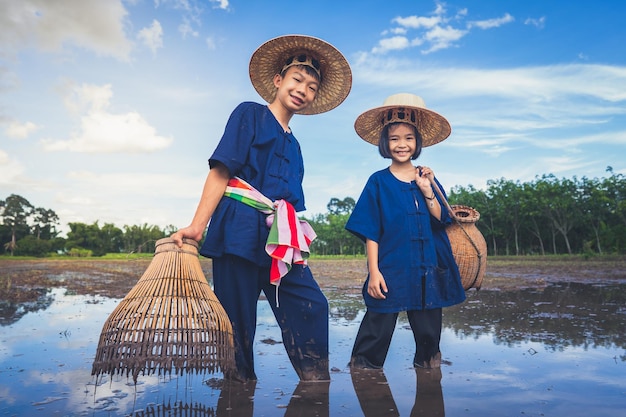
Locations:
{"points": [[414, 253]]}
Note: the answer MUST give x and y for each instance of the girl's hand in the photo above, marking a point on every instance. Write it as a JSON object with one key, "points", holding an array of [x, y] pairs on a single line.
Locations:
{"points": [[425, 172], [423, 177], [377, 287]]}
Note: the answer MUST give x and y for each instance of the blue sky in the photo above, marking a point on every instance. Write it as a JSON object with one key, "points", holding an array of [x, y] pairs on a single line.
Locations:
{"points": [[109, 110]]}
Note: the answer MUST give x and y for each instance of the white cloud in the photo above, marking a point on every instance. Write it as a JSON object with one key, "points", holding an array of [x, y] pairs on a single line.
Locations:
{"points": [[539, 23], [221, 4], [52, 25], [497, 110], [18, 130], [417, 22], [390, 44], [443, 37], [11, 169], [186, 29], [492, 23], [210, 43], [435, 32], [103, 131], [152, 36]]}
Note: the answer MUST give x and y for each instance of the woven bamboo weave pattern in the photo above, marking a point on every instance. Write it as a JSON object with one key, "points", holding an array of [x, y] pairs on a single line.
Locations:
{"points": [[468, 246], [169, 321]]}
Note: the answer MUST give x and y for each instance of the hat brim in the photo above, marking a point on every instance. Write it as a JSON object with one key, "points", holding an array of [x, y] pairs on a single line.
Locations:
{"points": [[432, 126], [269, 59]]}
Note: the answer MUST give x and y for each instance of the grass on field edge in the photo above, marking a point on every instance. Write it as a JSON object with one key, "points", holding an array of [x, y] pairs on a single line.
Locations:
{"points": [[313, 257]]}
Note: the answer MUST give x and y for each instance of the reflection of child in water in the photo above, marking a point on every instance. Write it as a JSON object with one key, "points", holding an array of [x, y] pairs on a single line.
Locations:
{"points": [[400, 218], [376, 399]]}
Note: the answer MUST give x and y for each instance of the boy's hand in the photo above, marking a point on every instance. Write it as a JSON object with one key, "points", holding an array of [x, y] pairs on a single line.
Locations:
{"points": [[187, 232]]}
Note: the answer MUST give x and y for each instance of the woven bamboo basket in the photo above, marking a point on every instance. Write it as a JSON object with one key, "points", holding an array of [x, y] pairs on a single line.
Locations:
{"points": [[171, 320], [468, 246]]}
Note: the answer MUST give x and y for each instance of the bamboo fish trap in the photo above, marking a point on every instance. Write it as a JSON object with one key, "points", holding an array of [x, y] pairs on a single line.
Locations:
{"points": [[171, 320], [469, 247]]}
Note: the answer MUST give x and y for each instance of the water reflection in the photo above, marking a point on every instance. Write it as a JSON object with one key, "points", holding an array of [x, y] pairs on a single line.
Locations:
{"points": [[376, 399], [373, 392], [309, 399], [178, 409], [560, 315], [559, 350]]}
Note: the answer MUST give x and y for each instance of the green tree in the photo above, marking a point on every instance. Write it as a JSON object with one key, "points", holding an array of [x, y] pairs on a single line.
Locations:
{"points": [[332, 237], [337, 206], [45, 221], [507, 196], [594, 207], [32, 246], [15, 213], [83, 236], [142, 239], [537, 223]]}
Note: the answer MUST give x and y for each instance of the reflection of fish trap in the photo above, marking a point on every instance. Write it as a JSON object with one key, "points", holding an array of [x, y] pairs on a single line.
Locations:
{"points": [[468, 246], [175, 410], [170, 320]]}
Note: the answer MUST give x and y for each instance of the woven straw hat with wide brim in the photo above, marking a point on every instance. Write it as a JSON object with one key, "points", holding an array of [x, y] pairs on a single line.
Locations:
{"points": [[433, 127], [269, 59]]}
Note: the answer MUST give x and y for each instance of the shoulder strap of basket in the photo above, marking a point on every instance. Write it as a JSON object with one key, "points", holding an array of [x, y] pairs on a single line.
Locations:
{"points": [[456, 219]]}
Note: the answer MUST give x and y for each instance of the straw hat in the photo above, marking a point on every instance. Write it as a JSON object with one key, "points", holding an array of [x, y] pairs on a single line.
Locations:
{"points": [[406, 108], [270, 58]]}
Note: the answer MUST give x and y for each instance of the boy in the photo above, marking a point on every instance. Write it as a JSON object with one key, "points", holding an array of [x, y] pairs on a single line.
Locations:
{"points": [[295, 74]]}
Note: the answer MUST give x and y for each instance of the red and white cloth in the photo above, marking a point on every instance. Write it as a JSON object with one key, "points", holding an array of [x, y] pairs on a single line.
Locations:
{"points": [[289, 238]]}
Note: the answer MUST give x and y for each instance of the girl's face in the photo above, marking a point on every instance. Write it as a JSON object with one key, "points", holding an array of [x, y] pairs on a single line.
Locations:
{"points": [[402, 143], [296, 89]]}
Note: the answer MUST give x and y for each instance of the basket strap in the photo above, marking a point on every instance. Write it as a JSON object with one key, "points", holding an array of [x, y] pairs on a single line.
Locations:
{"points": [[458, 222]]}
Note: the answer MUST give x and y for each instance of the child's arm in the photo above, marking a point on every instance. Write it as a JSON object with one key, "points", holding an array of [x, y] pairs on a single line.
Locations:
{"points": [[377, 287], [214, 187], [423, 176]]}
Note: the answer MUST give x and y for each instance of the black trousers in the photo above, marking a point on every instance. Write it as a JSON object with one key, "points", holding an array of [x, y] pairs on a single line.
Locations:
{"points": [[374, 337]]}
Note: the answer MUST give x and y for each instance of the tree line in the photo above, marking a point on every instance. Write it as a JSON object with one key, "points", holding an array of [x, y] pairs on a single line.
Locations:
{"points": [[27, 230], [547, 215], [550, 215]]}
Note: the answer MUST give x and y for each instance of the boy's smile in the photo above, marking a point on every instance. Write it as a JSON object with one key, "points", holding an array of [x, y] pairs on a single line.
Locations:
{"points": [[296, 90]]}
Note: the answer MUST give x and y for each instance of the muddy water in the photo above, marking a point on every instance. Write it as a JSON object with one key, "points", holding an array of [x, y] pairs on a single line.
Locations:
{"points": [[555, 351]]}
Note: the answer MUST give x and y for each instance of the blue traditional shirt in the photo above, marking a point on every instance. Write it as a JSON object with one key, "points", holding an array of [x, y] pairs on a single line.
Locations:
{"points": [[256, 148], [414, 253]]}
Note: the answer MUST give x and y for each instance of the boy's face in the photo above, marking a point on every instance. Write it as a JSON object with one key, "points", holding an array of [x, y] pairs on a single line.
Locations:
{"points": [[296, 90]]}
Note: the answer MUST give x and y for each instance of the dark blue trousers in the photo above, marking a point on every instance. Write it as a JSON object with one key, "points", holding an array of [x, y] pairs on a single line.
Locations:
{"points": [[302, 314]]}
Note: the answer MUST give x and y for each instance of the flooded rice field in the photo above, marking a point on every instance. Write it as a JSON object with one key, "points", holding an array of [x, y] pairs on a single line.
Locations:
{"points": [[554, 348]]}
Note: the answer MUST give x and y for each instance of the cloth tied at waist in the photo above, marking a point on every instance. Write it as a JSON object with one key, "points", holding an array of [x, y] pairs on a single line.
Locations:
{"points": [[289, 238]]}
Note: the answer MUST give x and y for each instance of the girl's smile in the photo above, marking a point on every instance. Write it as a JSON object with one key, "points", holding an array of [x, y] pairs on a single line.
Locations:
{"points": [[402, 143]]}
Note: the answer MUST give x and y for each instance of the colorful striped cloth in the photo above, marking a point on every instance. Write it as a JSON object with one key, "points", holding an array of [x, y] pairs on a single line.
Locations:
{"points": [[289, 238]]}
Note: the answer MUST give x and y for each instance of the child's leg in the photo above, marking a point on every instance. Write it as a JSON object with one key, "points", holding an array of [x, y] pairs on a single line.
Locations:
{"points": [[372, 341], [302, 314], [236, 286], [426, 326]]}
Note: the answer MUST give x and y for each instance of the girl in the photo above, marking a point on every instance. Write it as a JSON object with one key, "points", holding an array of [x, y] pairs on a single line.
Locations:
{"points": [[401, 220]]}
